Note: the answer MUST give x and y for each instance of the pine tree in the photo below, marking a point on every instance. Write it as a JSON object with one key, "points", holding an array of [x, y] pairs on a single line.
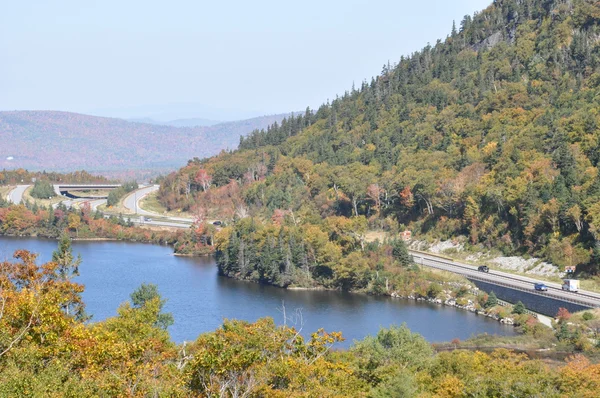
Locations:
{"points": [[492, 300], [68, 266], [147, 293], [519, 308], [400, 253]]}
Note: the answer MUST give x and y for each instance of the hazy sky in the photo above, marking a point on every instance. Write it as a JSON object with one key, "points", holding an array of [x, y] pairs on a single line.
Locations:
{"points": [[218, 59]]}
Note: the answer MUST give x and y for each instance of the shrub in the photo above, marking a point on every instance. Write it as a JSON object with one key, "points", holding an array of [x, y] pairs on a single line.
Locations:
{"points": [[519, 308], [587, 316], [434, 290]]}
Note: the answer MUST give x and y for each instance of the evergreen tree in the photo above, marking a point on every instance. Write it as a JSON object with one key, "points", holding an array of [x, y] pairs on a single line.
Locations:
{"points": [[492, 300], [147, 293], [68, 265], [400, 253], [68, 268], [519, 308]]}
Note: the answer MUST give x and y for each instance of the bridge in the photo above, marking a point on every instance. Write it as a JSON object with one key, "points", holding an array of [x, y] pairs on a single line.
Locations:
{"points": [[59, 189], [513, 288]]}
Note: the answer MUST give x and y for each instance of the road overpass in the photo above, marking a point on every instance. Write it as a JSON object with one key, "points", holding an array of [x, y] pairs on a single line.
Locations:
{"points": [[60, 189]]}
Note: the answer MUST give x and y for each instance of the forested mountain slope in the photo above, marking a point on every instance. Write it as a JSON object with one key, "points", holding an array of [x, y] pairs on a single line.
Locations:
{"points": [[491, 133], [63, 141]]}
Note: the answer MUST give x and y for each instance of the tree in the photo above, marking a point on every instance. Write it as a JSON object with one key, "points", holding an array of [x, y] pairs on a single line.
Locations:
{"points": [[42, 189], [492, 300], [563, 315], [74, 222], [68, 266], [575, 214], [391, 354], [146, 294], [400, 253], [519, 308], [204, 179], [242, 359]]}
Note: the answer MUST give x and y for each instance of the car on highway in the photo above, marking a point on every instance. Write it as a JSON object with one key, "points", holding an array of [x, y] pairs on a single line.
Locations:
{"points": [[147, 219], [483, 268], [540, 286]]}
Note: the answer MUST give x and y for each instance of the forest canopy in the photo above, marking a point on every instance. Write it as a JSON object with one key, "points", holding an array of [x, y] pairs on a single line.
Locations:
{"points": [[491, 133]]}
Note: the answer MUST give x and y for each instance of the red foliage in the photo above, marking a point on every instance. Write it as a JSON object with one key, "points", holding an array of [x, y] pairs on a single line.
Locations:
{"points": [[563, 314]]}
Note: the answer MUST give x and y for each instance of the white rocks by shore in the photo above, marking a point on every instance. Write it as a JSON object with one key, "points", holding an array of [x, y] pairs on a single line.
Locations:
{"points": [[451, 302]]}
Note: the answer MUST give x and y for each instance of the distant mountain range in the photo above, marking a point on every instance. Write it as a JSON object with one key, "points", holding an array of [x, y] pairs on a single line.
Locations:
{"points": [[63, 141], [194, 122]]}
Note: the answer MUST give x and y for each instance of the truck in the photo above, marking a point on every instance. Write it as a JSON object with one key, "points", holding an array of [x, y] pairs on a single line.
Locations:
{"points": [[570, 285]]}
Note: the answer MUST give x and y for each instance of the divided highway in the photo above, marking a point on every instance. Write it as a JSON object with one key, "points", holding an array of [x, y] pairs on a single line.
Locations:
{"points": [[512, 281], [132, 203]]}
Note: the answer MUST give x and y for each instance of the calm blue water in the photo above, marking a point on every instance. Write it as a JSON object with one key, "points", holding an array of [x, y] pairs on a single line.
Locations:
{"points": [[200, 299]]}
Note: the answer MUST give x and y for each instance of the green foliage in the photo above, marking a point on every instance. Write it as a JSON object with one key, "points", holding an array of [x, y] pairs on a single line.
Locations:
{"points": [[400, 253], [42, 189], [63, 256], [563, 333], [519, 308], [115, 195], [434, 290], [587, 316], [383, 360], [491, 301], [147, 294]]}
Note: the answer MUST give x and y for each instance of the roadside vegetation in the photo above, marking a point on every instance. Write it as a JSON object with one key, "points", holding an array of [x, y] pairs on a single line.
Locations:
{"points": [[42, 189], [115, 195], [151, 203], [83, 223]]}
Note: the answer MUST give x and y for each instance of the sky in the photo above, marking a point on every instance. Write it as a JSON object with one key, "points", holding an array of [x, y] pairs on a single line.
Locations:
{"points": [[219, 60]]}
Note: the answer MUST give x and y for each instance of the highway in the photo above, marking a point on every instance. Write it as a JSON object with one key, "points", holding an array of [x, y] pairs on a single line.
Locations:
{"points": [[16, 195], [132, 200], [132, 203], [500, 278]]}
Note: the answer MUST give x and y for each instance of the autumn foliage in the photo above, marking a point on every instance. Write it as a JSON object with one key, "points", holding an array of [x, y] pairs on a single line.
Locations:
{"points": [[47, 350]]}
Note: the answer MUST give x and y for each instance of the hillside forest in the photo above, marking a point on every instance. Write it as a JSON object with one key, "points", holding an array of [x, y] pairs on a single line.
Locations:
{"points": [[492, 134]]}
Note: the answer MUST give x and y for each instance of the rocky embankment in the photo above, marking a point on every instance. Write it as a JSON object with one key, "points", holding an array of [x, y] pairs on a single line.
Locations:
{"points": [[467, 304]]}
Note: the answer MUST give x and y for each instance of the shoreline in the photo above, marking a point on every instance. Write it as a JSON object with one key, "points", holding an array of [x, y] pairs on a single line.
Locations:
{"points": [[448, 302]]}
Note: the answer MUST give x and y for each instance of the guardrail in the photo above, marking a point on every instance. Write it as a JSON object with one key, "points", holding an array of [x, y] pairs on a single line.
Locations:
{"points": [[462, 270], [503, 303]]}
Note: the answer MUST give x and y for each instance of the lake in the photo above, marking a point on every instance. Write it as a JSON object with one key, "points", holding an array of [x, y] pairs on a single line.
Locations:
{"points": [[200, 299]]}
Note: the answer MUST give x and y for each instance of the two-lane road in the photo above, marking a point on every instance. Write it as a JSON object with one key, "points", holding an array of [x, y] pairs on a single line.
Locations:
{"points": [[513, 281]]}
